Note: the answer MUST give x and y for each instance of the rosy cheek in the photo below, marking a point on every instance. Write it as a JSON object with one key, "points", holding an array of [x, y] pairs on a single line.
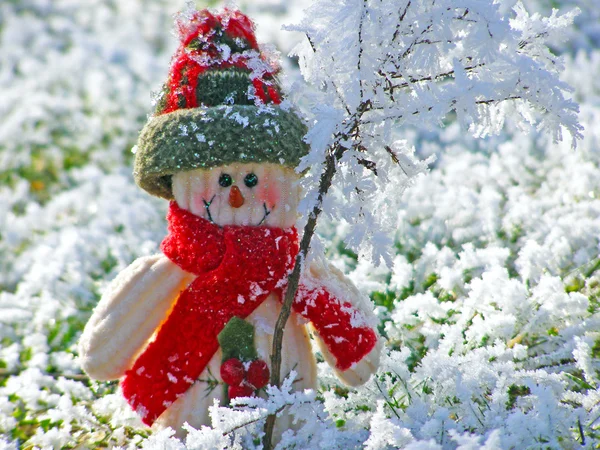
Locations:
{"points": [[270, 195], [200, 197]]}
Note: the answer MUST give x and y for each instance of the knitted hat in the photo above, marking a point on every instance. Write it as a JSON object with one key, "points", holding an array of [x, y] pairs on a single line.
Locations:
{"points": [[221, 104]]}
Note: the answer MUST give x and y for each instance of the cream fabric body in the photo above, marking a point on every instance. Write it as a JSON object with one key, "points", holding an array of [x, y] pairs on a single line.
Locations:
{"points": [[192, 407], [139, 300], [130, 311]]}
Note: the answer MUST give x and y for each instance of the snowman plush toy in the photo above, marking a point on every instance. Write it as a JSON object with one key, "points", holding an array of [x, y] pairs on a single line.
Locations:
{"points": [[195, 323]]}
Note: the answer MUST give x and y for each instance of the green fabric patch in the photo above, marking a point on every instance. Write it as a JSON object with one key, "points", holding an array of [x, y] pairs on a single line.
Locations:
{"points": [[203, 138], [237, 340]]}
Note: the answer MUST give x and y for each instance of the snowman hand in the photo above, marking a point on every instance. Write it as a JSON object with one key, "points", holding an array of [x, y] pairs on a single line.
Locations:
{"points": [[360, 372], [135, 304]]}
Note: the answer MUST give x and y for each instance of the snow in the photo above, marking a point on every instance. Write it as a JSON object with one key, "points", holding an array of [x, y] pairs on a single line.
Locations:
{"points": [[488, 226]]}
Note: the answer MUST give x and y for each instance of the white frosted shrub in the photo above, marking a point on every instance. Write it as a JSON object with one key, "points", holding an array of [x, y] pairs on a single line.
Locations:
{"points": [[490, 300]]}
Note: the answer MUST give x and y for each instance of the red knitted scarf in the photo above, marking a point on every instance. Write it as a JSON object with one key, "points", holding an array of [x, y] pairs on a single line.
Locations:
{"points": [[237, 268]]}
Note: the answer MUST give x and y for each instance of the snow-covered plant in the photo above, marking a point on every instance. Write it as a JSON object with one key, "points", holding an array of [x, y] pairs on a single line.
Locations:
{"points": [[72, 92], [381, 65], [584, 35], [490, 310]]}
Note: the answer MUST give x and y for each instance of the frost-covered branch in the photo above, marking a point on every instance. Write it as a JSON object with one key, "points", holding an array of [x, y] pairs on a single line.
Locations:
{"points": [[380, 66], [331, 160], [412, 64]]}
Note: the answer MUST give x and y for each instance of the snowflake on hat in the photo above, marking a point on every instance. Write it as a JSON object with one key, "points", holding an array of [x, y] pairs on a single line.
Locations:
{"points": [[195, 323]]}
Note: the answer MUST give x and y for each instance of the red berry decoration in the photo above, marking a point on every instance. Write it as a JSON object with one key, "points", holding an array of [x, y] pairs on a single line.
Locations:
{"points": [[233, 372], [258, 373], [243, 390]]}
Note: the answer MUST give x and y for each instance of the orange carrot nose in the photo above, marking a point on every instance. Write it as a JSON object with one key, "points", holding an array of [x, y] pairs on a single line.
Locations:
{"points": [[236, 199]]}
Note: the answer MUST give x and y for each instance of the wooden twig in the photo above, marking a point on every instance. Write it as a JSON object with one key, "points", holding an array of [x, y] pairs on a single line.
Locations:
{"points": [[429, 108], [393, 155], [333, 155], [245, 424], [360, 46]]}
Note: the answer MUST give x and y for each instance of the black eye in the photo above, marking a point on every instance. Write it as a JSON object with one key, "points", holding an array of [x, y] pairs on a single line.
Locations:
{"points": [[225, 180], [251, 180]]}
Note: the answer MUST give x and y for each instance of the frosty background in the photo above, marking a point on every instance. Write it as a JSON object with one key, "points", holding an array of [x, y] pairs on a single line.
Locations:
{"points": [[491, 309]]}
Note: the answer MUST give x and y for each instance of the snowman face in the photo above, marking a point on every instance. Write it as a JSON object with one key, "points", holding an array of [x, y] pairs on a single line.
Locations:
{"points": [[240, 194]]}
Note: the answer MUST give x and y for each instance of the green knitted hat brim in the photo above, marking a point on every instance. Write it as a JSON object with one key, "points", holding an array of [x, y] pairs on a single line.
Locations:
{"points": [[202, 138]]}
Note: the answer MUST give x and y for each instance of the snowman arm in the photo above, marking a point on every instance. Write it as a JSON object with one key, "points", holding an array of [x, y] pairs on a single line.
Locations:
{"points": [[322, 273], [137, 301], [360, 372], [343, 324]]}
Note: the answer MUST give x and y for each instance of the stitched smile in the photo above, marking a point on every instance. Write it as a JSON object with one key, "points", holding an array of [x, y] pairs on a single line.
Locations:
{"points": [[207, 207], [267, 212], [210, 219]]}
